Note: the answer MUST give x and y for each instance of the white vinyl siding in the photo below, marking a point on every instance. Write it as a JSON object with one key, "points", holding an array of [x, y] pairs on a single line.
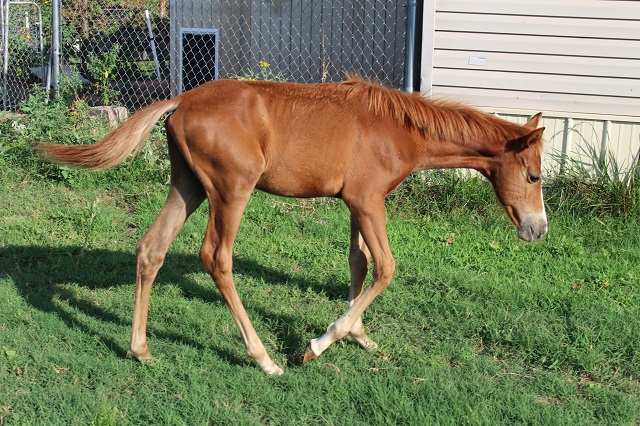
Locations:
{"points": [[578, 138], [570, 56], [577, 61]]}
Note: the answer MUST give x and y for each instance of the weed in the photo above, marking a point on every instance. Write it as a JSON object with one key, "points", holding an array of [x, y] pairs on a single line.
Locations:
{"points": [[264, 73], [601, 188], [44, 120], [102, 68], [444, 191]]}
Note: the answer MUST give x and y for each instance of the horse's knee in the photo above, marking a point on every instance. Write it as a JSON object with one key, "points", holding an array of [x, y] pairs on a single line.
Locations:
{"points": [[149, 259]]}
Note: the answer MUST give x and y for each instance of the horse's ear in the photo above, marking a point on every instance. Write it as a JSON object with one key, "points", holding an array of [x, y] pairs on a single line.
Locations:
{"points": [[526, 141], [533, 123], [531, 139]]}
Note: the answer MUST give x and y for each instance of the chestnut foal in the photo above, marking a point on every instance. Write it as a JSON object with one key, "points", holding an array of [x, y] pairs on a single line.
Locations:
{"points": [[351, 140]]}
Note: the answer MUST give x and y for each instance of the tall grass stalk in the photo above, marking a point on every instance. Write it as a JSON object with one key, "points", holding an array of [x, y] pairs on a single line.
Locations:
{"points": [[600, 188], [444, 191]]}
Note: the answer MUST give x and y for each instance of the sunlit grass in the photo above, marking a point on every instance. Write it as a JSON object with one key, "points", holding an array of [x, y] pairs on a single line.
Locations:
{"points": [[477, 326]]}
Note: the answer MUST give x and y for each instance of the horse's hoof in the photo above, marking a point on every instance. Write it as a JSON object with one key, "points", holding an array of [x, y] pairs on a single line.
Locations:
{"points": [[368, 345], [308, 354], [274, 370], [140, 357]]}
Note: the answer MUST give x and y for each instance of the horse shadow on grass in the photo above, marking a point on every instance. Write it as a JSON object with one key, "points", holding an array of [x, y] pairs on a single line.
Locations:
{"points": [[42, 274]]}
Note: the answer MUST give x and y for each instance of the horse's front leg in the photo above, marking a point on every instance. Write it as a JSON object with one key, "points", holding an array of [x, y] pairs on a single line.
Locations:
{"points": [[371, 221], [359, 257]]}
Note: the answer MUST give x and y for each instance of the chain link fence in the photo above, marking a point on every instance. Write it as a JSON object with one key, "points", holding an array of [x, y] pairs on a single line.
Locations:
{"points": [[308, 41], [108, 43], [23, 43], [135, 52]]}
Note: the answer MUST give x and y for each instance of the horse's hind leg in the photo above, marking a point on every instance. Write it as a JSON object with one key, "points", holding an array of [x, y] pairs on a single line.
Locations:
{"points": [[216, 256], [359, 257], [185, 195]]}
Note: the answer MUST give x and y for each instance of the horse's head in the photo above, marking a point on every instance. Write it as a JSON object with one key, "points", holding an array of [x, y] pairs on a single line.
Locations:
{"points": [[515, 175]]}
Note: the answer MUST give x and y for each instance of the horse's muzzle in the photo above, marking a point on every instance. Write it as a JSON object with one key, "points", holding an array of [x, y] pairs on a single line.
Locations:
{"points": [[533, 230]]}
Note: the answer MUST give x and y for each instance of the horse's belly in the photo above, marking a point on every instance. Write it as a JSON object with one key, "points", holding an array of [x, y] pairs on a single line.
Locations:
{"points": [[302, 182]]}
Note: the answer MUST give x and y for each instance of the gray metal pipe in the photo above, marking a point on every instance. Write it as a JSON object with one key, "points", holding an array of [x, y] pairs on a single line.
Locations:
{"points": [[55, 44], [410, 45], [153, 44], [5, 70]]}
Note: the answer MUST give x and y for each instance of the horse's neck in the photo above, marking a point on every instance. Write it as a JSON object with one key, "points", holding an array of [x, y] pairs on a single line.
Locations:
{"points": [[461, 137], [454, 153], [472, 142]]}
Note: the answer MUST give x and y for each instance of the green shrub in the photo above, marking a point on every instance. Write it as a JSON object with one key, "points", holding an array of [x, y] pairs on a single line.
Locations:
{"points": [[102, 69], [38, 121], [57, 121]]}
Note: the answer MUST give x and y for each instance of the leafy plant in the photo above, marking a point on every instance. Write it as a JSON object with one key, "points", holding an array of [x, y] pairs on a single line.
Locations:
{"points": [[102, 69], [69, 88], [67, 121], [264, 73]]}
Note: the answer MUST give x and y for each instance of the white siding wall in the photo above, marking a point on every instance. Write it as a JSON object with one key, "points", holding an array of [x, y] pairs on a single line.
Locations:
{"points": [[578, 61], [579, 137]]}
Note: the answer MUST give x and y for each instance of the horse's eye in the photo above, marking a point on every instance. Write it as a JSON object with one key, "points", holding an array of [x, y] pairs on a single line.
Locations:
{"points": [[533, 178]]}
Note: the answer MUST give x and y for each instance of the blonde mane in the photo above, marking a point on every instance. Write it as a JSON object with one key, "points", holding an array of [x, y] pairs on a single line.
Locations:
{"points": [[440, 119]]}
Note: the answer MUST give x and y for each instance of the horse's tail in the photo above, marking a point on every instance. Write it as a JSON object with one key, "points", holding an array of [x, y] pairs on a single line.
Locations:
{"points": [[114, 148]]}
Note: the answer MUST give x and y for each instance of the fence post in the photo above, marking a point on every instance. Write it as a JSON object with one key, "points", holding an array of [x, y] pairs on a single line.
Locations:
{"points": [[5, 51], [604, 141], [410, 45], [55, 44], [152, 43], [567, 140]]}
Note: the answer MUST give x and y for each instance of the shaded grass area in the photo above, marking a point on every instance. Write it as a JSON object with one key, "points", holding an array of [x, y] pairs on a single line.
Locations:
{"points": [[476, 328]]}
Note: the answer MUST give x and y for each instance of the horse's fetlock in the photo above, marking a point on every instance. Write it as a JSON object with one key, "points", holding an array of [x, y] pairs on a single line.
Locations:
{"points": [[338, 329], [257, 354]]}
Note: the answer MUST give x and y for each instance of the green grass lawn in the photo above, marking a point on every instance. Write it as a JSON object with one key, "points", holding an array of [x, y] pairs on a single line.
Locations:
{"points": [[477, 327]]}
